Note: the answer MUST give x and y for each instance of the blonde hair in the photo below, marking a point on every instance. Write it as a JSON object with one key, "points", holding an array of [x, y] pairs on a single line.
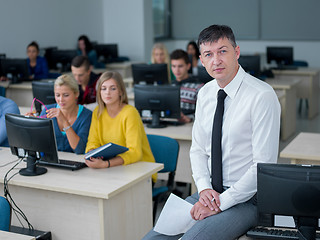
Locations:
{"points": [[67, 80], [120, 84], [162, 47]]}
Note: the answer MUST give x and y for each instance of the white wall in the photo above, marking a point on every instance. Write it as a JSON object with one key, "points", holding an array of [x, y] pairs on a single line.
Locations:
{"points": [[303, 50], [49, 22], [129, 23]]}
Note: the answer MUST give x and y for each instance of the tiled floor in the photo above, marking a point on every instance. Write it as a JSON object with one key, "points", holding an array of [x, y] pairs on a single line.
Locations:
{"points": [[303, 125]]}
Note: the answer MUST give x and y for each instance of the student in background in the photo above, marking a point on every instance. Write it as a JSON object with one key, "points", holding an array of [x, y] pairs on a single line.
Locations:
{"points": [[82, 72], [71, 121], [85, 48], [114, 120], [193, 50], [189, 86], [38, 66], [225, 205], [160, 55], [6, 106]]}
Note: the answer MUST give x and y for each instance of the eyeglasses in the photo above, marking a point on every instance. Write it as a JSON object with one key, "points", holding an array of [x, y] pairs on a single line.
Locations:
{"points": [[35, 99]]}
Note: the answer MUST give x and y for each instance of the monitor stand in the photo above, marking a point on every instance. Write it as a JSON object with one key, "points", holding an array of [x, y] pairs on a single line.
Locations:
{"points": [[32, 169], [307, 227], [156, 121]]}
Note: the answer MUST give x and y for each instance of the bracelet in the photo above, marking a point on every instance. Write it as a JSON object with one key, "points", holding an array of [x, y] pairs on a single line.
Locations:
{"points": [[66, 128], [108, 163]]}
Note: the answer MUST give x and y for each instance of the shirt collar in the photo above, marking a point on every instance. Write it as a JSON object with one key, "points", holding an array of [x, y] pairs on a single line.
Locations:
{"points": [[232, 88]]}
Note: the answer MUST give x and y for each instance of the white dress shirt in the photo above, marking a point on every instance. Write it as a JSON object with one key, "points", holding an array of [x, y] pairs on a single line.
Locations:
{"points": [[250, 135]]}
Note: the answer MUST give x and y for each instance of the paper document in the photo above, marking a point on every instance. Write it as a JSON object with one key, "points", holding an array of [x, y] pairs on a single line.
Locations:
{"points": [[175, 217]]}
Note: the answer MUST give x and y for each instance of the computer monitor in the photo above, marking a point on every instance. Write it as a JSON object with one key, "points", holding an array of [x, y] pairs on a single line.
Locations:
{"points": [[251, 64], [107, 52], [163, 101], [61, 59], [15, 69], [290, 190], [47, 54], [44, 91], [281, 55], [203, 75], [33, 138], [150, 73]]}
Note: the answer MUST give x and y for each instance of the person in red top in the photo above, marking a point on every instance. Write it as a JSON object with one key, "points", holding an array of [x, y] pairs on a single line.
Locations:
{"points": [[82, 72]]}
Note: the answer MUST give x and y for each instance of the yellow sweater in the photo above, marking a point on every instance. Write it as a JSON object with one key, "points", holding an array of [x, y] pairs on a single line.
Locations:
{"points": [[125, 129]]}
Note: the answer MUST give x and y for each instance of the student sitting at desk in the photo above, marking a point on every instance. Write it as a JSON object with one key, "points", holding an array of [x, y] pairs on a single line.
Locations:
{"points": [[71, 121], [38, 67], [193, 50], [82, 72], [6, 106], [114, 120], [189, 86], [160, 55]]}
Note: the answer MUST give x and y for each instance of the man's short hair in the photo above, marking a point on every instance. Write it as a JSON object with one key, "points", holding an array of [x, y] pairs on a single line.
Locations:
{"points": [[180, 54], [215, 32], [80, 61]]}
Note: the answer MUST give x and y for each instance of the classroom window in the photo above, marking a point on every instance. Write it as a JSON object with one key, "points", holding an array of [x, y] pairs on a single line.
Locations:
{"points": [[161, 18]]}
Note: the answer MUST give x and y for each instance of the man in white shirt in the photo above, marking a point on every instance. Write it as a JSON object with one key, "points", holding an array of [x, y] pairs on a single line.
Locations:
{"points": [[250, 135]]}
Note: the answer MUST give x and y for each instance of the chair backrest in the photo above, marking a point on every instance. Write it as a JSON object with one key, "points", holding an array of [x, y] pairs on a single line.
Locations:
{"points": [[5, 214], [165, 150]]}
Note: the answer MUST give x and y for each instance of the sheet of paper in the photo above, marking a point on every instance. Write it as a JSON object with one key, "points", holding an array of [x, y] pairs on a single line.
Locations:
{"points": [[175, 217]]}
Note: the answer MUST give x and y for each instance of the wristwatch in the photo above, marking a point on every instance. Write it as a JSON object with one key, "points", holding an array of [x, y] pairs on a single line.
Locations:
{"points": [[66, 128]]}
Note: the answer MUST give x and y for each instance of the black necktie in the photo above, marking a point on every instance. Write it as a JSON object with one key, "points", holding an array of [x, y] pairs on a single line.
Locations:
{"points": [[216, 152]]}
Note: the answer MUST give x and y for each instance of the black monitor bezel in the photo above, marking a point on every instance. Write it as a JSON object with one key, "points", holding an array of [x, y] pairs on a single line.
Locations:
{"points": [[33, 138], [251, 64], [150, 73], [44, 91], [281, 55], [157, 99], [21, 64], [289, 190]]}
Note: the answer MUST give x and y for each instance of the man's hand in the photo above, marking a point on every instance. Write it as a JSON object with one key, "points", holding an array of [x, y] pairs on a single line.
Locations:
{"points": [[210, 198], [200, 212]]}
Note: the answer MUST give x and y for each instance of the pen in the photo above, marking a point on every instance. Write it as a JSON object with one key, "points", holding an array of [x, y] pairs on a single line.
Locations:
{"points": [[212, 199]]}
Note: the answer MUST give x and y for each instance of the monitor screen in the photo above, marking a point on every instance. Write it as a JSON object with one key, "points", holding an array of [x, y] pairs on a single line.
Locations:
{"points": [[290, 190], [163, 101], [44, 91], [33, 138], [203, 75], [61, 59], [15, 69], [106, 52], [47, 54], [251, 64], [281, 55], [150, 73]]}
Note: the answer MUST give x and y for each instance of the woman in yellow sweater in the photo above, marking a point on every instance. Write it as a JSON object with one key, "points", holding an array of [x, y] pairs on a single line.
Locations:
{"points": [[114, 120]]}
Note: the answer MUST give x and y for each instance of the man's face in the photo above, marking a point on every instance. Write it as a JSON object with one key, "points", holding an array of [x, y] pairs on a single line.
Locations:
{"points": [[180, 69], [220, 60], [81, 75]]}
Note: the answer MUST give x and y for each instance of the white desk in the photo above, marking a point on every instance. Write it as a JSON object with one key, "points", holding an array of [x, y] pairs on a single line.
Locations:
{"points": [[308, 87], [113, 203], [14, 236], [303, 149], [21, 93], [288, 104], [124, 68]]}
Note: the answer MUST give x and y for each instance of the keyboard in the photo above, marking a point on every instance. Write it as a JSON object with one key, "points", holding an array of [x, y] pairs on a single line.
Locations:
{"points": [[275, 233], [286, 67], [67, 164]]}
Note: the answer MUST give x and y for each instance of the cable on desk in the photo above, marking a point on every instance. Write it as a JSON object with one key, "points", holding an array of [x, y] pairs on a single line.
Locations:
{"points": [[17, 211]]}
